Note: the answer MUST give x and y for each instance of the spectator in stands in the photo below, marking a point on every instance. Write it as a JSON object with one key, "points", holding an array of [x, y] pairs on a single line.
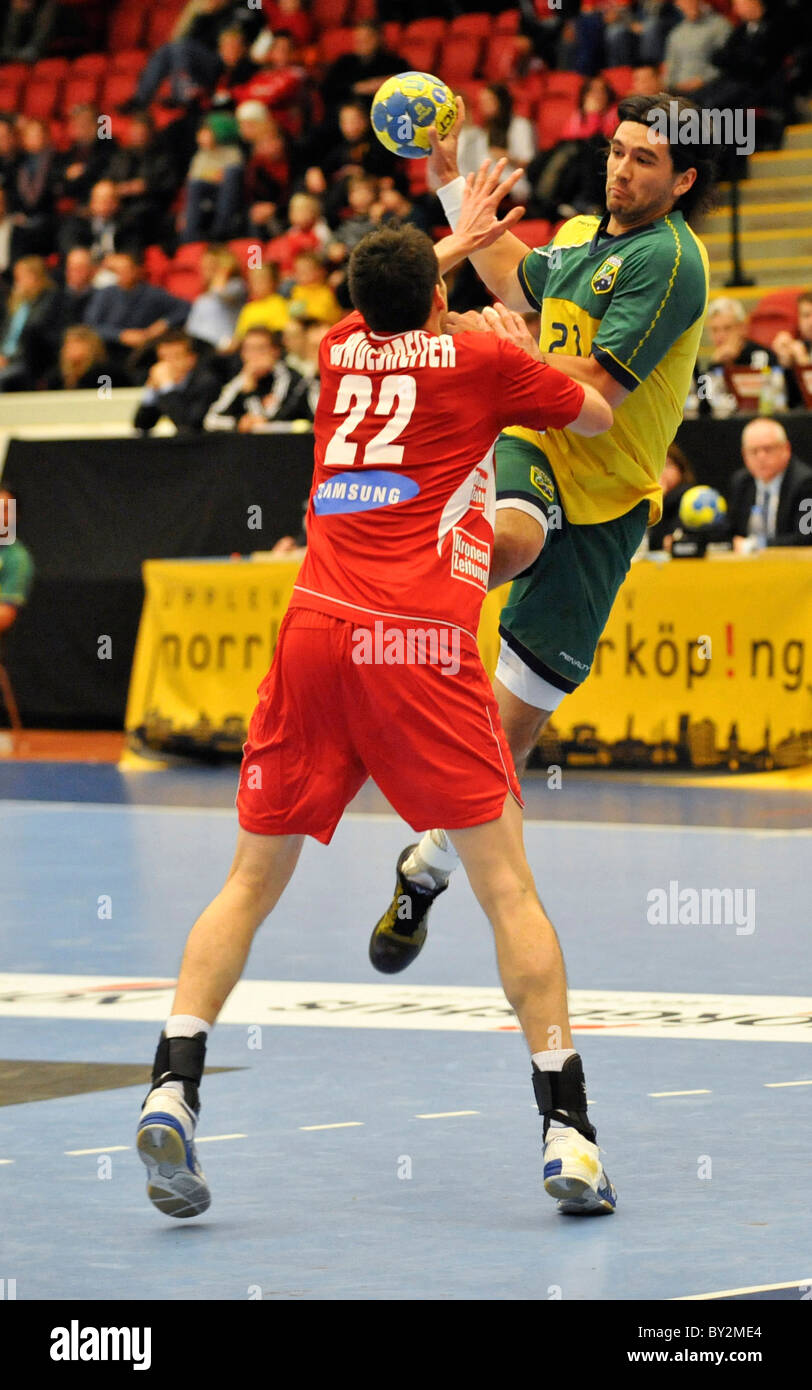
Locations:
{"points": [[690, 47], [266, 176], [676, 478], [362, 195], [190, 59], [16, 565], [105, 227], [358, 75], [279, 84], [571, 177], [215, 312], [396, 206], [544, 26], [87, 157], [79, 273], [265, 390], [651, 21], [750, 62], [132, 314], [82, 362], [214, 182], [266, 307], [27, 30], [795, 351], [646, 80], [359, 151], [26, 333], [11, 239], [307, 232], [145, 177], [770, 499], [289, 15], [9, 152], [310, 295], [34, 186], [498, 133], [236, 67], [178, 387], [727, 329]]}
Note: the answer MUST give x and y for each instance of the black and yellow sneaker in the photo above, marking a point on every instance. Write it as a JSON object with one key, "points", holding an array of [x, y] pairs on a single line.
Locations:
{"points": [[399, 936]]}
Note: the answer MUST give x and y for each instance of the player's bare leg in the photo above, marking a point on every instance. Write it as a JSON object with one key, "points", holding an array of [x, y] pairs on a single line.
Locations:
{"points": [[213, 961]]}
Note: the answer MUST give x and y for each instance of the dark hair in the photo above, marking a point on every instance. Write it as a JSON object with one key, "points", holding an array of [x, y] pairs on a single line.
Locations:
{"points": [[177, 335], [674, 454], [497, 128], [611, 95], [699, 154], [392, 274], [805, 298]]}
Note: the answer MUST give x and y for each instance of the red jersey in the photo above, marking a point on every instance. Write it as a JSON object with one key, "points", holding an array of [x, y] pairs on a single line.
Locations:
{"points": [[401, 514]]}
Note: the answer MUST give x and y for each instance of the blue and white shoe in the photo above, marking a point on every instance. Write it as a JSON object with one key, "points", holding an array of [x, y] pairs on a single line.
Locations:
{"points": [[574, 1174], [165, 1144]]}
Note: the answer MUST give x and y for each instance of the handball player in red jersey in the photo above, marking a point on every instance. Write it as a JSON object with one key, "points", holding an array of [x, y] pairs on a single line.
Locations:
{"points": [[377, 674]]}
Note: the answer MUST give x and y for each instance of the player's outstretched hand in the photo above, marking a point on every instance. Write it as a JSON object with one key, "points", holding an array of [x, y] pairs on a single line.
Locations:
{"points": [[443, 157], [506, 324], [478, 223]]}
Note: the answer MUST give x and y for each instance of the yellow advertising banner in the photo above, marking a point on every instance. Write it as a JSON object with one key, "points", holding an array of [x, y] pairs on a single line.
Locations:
{"points": [[704, 663]]}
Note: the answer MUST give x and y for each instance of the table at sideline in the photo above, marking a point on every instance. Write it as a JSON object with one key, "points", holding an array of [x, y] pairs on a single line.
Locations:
{"points": [[704, 663]]}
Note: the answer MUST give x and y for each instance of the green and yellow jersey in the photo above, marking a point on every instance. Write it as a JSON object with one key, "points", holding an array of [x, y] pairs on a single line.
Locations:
{"points": [[637, 303]]}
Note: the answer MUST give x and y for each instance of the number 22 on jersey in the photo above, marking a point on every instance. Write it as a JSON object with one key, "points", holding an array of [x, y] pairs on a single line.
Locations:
{"points": [[397, 398]]}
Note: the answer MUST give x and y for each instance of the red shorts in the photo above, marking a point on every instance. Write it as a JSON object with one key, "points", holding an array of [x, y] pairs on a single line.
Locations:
{"points": [[328, 719]]}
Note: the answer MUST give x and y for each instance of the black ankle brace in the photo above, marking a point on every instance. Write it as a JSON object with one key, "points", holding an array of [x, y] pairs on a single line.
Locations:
{"points": [[181, 1059], [561, 1096]]}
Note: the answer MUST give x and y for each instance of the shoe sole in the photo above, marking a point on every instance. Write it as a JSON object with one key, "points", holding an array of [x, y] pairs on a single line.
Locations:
{"points": [[576, 1196], [171, 1187]]}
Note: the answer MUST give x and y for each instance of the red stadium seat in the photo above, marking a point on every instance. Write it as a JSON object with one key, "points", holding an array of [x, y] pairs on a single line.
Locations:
{"points": [[476, 26], [329, 14], [364, 9], [160, 24], [79, 91], [129, 60], [91, 65], [9, 96], [501, 57], [187, 257], [534, 231], [470, 91], [243, 247], [425, 28], [40, 99], [15, 72], [50, 70], [127, 28], [420, 53], [564, 84], [619, 79], [554, 113], [777, 311], [118, 88], [156, 264], [392, 33], [460, 57], [507, 22], [333, 43], [186, 284]]}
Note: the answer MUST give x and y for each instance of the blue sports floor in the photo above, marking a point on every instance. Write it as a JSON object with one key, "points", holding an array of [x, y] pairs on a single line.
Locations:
{"points": [[356, 1154]]}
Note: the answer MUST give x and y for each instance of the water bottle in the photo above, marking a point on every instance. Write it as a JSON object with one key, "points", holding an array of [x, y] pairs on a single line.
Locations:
{"points": [[778, 388], [766, 400], [757, 528]]}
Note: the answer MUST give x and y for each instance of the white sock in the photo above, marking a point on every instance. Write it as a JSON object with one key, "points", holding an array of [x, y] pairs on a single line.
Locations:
{"points": [[433, 862], [549, 1060], [185, 1026]]}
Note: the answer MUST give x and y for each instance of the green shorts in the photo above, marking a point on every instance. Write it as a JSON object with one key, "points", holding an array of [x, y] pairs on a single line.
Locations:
{"points": [[557, 610]]}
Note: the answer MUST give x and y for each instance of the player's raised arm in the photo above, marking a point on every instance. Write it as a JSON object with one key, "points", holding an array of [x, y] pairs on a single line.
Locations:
{"points": [[595, 414], [471, 206]]}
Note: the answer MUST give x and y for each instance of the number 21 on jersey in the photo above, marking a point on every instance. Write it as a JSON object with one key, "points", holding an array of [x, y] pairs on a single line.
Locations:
{"points": [[396, 401]]}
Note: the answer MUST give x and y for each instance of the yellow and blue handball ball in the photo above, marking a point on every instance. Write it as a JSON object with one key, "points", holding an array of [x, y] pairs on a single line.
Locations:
{"points": [[404, 109], [701, 508]]}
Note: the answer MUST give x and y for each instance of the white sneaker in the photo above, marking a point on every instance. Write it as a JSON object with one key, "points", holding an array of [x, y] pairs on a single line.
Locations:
{"points": [[574, 1174], [165, 1144]]}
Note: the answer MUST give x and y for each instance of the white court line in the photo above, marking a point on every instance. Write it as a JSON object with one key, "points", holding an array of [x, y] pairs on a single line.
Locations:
{"points": [[6, 1160], [213, 1138], [730, 1293], [386, 818], [110, 1149], [345, 1124], [776, 1085], [446, 1114], [657, 1094]]}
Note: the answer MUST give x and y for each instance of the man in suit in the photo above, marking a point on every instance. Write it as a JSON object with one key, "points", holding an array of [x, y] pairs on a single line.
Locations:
{"points": [[770, 499], [178, 387]]}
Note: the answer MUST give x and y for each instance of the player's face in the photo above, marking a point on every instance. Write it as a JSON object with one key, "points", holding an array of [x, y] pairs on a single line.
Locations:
{"points": [[641, 181]]}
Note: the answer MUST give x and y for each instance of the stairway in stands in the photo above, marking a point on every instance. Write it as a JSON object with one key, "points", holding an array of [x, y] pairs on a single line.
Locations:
{"points": [[776, 221]]}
